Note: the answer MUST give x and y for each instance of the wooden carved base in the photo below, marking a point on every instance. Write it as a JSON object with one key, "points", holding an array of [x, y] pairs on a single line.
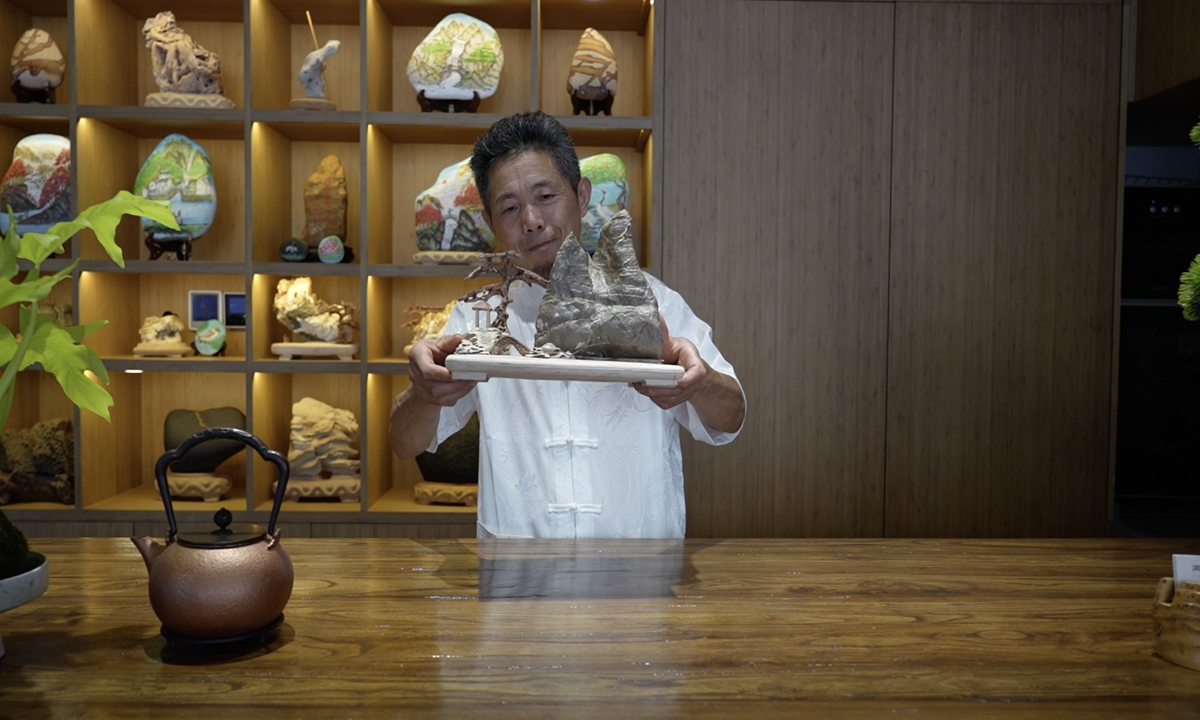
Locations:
{"points": [[289, 350], [343, 487], [592, 107], [445, 257], [1177, 623], [192, 101], [428, 493], [207, 486], [448, 106], [163, 350], [307, 103]]}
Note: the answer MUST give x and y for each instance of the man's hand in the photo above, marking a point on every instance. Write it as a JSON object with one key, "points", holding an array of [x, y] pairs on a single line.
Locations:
{"points": [[716, 397], [431, 381]]}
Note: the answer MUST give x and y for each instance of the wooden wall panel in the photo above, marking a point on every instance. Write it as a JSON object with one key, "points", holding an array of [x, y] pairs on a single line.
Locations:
{"points": [[1001, 292], [1168, 44], [775, 230]]}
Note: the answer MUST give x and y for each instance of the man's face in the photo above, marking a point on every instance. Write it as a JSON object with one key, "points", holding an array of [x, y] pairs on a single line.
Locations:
{"points": [[533, 209]]}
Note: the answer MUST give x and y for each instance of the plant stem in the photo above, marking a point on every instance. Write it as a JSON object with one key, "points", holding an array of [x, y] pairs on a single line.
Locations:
{"points": [[10, 372]]}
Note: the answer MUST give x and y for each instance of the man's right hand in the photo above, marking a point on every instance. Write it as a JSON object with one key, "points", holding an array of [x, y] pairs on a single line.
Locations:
{"points": [[431, 381]]}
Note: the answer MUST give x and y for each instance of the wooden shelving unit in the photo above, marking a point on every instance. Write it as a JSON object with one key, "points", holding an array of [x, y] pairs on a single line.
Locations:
{"points": [[261, 153]]}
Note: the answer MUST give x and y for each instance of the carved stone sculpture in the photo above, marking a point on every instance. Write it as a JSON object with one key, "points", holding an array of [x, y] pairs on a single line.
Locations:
{"points": [[37, 185], [592, 81], [325, 203], [38, 464], [162, 337], [312, 77], [321, 452], [601, 306], [310, 317], [187, 74], [38, 67], [179, 171]]}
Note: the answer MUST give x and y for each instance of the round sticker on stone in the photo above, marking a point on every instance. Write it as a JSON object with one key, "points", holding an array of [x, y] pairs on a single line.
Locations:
{"points": [[331, 249], [210, 337]]}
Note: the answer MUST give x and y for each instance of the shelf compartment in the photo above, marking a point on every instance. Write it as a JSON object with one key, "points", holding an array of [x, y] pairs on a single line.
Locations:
{"points": [[17, 16], [273, 395], [280, 30], [110, 154], [126, 299], [634, 56], [279, 168], [268, 330], [118, 458], [388, 300], [114, 66]]}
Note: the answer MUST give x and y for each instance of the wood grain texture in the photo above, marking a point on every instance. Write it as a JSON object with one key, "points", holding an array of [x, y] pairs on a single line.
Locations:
{"points": [[109, 457], [271, 187], [464, 628], [107, 161], [271, 35], [775, 230], [1001, 291], [1168, 45], [379, 207], [107, 54], [379, 58]]}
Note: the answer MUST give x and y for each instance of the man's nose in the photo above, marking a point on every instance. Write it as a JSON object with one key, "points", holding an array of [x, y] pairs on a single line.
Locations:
{"points": [[531, 219]]}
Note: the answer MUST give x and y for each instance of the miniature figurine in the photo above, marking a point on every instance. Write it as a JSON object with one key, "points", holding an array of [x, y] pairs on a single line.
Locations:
{"points": [[312, 77]]}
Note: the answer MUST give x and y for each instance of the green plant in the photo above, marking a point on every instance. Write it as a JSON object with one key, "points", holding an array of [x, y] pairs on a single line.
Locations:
{"points": [[42, 339]]}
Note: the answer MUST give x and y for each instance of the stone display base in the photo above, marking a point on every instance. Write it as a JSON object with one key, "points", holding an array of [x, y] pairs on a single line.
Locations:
{"points": [[343, 487], [427, 493], [207, 486], [163, 350], [289, 350], [1177, 622], [193, 101], [445, 257], [307, 103]]}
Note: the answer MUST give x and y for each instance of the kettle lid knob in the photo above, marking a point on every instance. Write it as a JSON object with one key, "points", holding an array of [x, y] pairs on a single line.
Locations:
{"points": [[222, 518]]}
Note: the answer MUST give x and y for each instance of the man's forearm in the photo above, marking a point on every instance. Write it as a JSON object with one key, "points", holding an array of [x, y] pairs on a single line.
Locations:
{"points": [[413, 424], [719, 403]]}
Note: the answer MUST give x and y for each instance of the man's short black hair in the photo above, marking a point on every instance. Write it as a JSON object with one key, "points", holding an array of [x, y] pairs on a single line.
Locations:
{"points": [[519, 134]]}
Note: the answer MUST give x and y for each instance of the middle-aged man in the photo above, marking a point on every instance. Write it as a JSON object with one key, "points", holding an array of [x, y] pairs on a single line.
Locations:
{"points": [[556, 458]]}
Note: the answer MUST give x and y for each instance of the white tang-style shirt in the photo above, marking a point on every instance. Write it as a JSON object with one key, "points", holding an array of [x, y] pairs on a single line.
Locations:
{"points": [[569, 459]]}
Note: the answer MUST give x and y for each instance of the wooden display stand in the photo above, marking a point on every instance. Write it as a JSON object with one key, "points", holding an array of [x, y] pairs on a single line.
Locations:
{"points": [[431, 493], [289, 350], [209, 487], [343, 487]]}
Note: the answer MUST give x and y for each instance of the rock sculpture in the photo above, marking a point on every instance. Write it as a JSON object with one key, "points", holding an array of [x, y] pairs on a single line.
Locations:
{"points": [[178, 171], [592, 82], [428, 323], [312, 77], [449, 218], [162, 337], [37, 185], [456, 65], [38, 67], [325, 203], [195, 474], [324, 462], [187, 75], [610, 195], [318, 328], [601, 306], [38, 464]]}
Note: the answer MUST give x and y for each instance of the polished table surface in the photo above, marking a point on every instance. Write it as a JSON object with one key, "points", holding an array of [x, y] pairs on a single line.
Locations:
{"points": [[697, 628]]}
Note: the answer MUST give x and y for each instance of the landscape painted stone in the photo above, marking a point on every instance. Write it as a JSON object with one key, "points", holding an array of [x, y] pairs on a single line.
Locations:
{"points": [[325, 202], [461, 56], [449, 214], [38, 67], [37, 185], [610, 195], [592, 81], [601, 306], [179, 171]]}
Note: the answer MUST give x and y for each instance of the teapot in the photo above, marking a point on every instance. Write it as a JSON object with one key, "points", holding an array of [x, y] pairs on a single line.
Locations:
{"points": [[225, 584]]}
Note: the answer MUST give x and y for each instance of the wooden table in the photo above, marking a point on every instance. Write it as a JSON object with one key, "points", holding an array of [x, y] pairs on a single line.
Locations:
{"points": [[732, 628]]}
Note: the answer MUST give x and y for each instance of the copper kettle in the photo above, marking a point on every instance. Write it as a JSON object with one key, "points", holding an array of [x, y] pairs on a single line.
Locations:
{"points": [[229, 583]]}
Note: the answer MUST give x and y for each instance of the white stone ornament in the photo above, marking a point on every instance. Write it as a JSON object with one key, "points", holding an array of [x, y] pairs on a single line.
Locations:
{"points": [[312, 77], [460, 58]]}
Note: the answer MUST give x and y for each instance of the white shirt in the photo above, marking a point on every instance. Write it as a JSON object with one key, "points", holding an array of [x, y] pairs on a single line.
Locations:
{"points": [[579, 459]]}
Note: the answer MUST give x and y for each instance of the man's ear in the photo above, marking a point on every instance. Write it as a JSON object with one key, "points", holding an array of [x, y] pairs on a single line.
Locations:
{"points": [[584, 193]]}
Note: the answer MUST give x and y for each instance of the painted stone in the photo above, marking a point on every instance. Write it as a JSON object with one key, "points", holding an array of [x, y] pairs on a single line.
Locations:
{"points": [[205, 457], [179, 171], [601, 306], [37, 185], [450, 213], [38, 67], [331, 250], [294, 250], [461, 56], [210, 337], [325, 202], [179, 64], [610, 195], [592, 81]]}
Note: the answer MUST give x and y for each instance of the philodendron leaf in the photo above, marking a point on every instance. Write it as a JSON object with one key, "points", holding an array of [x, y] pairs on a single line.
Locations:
{"points": [[8, 248], [103, 218], [8, 346], [54, 346], [33, 288]]}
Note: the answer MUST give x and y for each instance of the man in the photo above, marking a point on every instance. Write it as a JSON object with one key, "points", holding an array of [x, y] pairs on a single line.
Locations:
{"points": [[565, 459]]}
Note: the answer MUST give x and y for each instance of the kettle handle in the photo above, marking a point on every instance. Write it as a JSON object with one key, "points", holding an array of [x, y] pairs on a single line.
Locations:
{"points": [[221, 433]]}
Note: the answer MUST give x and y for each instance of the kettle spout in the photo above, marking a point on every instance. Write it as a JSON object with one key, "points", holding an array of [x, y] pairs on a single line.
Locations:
{"points": [[149, 548]]}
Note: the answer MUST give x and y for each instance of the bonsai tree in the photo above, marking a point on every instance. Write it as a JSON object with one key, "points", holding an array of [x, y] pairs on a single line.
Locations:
{"points": [[44, 340]]}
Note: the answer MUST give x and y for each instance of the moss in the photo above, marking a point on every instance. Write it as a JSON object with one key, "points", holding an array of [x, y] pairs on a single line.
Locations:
{"points": [[14, 549]]}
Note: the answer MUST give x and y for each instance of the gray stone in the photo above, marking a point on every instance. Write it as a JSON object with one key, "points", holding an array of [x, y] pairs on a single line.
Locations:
{"points": [[601, 306], [207, 456]]}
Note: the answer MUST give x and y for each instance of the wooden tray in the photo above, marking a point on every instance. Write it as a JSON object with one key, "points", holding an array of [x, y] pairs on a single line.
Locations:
{"points": [[482, 367]]}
